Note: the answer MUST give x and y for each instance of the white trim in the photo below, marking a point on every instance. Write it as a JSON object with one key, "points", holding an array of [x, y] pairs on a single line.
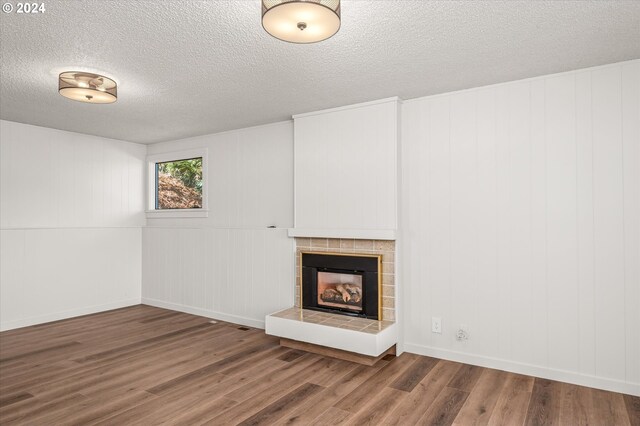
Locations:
{"points": [[527, 369], [398, 270], [35, 228], [167, 213], [342, 108], [522, 80], [236, 319], [151, 161], [205, 137], [26, 322], [358, 234], [333, 337]]}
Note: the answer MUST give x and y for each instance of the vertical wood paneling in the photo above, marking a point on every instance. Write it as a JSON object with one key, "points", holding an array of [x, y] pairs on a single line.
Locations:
{"points": [[519, 187], [503, 306], [416, 157], [72, 208], [561, 221], [608, 196], [520, 207], [439, 216], [484, 329], [235, 272], [50, 274], [539, 271], [630, 75], [230, 264], [586, 248], [55, 179], [464, 237], [346, 168], [250, 182]]}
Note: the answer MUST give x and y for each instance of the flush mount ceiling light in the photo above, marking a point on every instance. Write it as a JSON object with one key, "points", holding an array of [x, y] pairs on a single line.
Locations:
{"points": [[87, 87], [301, 21]]}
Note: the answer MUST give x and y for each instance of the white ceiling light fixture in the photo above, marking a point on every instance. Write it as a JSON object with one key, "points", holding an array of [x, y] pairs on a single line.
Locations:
{"points": [[301, 21], [87, 87]]}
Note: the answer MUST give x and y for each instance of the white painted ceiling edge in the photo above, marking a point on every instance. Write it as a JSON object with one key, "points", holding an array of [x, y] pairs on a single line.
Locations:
{"points": [[193, 68]]}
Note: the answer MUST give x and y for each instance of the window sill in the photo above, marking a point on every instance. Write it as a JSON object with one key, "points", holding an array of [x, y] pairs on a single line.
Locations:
{"points": [[177, 213]]}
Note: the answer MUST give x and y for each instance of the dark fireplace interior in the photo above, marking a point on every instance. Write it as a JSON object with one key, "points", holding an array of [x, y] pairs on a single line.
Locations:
{"points": [[342, 284]]}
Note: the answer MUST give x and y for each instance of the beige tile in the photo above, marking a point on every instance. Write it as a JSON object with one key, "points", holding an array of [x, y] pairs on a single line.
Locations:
{"points": [[384, 245], [363, 244], [385, 324], [319, 243], [333, 323], [388, 302], [348, 251], [347, 244], [388, 268], [333, 243], [388, 291], [349, 326], [379, 326], [361, 322], [388, 314], [303, 242], [388, 279], [388, 256]]}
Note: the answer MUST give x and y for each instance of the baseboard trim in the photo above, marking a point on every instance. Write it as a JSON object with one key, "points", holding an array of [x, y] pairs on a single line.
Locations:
{"points": [[526, 369], [236, 319], [56, 316]]}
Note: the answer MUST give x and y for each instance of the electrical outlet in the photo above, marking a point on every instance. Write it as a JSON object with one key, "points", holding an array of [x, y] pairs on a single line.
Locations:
{"points": [[436, 325], [463, 332]]}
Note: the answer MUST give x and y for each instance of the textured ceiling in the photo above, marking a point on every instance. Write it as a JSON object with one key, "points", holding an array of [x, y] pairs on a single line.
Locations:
{"points": [[188, 68]]}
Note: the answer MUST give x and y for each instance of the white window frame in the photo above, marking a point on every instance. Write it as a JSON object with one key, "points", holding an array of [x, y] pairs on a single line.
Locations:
{"points": [[152, 212]]}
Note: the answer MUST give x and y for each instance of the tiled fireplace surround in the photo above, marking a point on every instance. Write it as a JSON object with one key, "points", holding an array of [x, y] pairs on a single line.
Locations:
{"points": [[355, 246], [360, 336]]}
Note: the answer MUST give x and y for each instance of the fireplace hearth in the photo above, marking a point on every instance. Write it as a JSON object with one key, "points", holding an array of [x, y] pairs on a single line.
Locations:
{"points": [[346, 284]]}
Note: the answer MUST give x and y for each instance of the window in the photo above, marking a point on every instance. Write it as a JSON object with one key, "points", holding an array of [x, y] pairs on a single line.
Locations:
{"points": [[177, 186]]}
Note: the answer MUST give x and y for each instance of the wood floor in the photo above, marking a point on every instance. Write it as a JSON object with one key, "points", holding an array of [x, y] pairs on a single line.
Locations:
{"points": [[144, 366]]}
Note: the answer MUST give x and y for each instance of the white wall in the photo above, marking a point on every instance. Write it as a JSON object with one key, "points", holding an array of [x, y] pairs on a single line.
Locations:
{"points": [[70, 217], [229, 266], [520, 217], [346, 170]]}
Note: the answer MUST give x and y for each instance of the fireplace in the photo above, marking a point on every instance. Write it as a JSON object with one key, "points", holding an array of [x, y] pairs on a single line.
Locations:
{"points": [[347, 284]]}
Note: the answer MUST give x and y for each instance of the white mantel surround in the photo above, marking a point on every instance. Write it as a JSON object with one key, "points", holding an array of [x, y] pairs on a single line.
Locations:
{"points": [[346, 188], [346, 172], [358, 234]]}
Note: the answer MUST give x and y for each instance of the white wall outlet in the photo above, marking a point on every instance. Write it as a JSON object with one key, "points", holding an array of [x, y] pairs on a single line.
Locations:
{"points": [[463, 332], [436, 325]]}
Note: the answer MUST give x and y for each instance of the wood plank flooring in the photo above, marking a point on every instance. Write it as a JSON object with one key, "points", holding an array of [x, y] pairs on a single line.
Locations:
{"points": [[145, 366]]}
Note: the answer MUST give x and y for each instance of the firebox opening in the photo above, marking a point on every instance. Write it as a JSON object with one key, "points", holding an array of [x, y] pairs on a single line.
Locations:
{"points": [[340, 283], [340, 290]]}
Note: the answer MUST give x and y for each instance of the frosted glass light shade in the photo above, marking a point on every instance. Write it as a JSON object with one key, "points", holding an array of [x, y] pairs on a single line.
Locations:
{"points": [[87, 87], [301, 21]]}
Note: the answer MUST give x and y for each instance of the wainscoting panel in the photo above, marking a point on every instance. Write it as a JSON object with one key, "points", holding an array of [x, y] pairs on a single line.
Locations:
{"points": [[520, 219], [71, 209], [52, 274], [238, 275]]}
